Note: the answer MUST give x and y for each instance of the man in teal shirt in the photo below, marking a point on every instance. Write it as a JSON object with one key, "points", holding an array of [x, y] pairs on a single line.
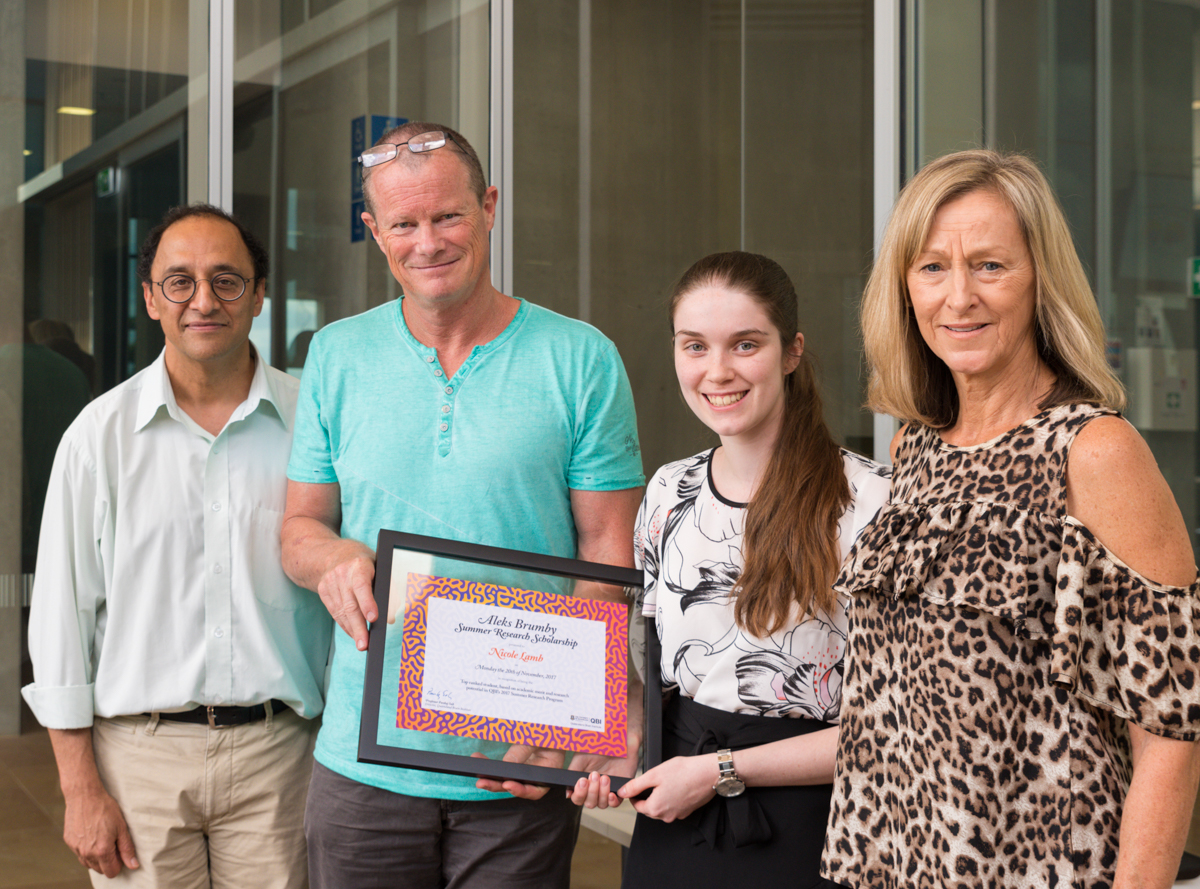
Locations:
{"points": [[462, 413]]}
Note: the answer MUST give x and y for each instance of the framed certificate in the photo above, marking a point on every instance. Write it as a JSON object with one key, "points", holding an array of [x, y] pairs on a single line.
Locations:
{"points": [[481, 647]]}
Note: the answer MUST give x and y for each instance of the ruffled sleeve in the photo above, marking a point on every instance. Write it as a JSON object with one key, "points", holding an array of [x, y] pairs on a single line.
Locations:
{"points": [[1124, 643], [980, 556], [1117, 640]]}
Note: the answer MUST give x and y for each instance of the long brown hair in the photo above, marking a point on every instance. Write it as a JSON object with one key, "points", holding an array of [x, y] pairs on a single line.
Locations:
{"points": [[790, 545]]}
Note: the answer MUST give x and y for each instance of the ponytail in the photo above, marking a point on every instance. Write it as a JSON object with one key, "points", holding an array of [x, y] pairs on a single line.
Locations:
{"points": [[790, 545]]}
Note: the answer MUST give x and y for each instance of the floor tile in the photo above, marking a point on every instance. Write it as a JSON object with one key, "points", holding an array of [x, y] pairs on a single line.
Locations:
{"points": [[31, 748], [37, 856], [41, 783], [19, 811], [597, 862], [33, 855]]}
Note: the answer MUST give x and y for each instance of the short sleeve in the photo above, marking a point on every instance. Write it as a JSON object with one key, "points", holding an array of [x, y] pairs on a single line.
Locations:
{"points": [[1124, 643], [311, 460], [606, 455]]}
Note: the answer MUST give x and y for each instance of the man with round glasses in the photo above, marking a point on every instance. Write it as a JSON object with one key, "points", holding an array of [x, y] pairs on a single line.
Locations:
{"points": [[456, 412], [178, 669]]}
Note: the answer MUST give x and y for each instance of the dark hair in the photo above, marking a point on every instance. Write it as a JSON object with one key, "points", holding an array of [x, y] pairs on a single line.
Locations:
{"points": [[475, 176], [258, 253], [790, 547]]}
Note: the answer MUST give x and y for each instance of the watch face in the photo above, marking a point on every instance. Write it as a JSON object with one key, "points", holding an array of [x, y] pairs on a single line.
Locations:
{"points": [[730, 787]]}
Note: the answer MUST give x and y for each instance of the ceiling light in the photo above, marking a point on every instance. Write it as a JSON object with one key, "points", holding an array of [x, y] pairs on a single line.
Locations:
{"points": [[77, 111]]}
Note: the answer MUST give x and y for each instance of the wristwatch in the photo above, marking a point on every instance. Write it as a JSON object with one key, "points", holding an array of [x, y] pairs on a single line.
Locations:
{"points": [[728, 783]]}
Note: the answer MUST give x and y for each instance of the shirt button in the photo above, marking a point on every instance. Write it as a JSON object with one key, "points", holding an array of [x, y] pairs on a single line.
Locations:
{"points": [[429, 358], [218, 632], [216, 507], [445, 408], [445, 426], [449, 390], [216, 569], [437, 373]]}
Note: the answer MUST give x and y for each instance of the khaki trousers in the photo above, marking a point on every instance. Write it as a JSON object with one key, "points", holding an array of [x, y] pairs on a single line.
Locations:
{"points": [[209, 807]]}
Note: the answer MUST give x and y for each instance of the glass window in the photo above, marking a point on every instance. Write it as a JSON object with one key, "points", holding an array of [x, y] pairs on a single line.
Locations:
{"points": [[105, 89], [647, 135], [92, 67], [92, 132], [1146, 225], [315, 84], [1107, 99]]}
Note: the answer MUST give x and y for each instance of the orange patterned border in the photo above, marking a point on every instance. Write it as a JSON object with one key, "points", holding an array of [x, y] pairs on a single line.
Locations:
{"points": [[411, 715]]}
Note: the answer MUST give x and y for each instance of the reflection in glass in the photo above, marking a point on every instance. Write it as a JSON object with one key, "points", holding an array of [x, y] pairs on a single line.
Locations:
{"points": [[647, 135], [408, 562], [1106, 98], [307, 75], [92, 67]]}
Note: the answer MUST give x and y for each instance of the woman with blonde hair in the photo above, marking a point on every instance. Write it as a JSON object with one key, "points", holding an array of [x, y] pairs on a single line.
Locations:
{"points": [[1021, 701]]}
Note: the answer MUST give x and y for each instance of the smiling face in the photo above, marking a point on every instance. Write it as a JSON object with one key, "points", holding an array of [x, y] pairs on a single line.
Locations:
{"points": [[973, 290], [203, 332], [731, 362], [432, 228]]}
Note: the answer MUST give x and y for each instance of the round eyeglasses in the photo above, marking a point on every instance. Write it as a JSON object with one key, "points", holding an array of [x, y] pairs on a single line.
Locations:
{"points": [[227, 286], [417, 145]]}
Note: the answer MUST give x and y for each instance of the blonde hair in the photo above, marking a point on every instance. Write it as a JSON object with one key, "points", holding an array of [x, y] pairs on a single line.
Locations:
{"points": [[906, 379]]}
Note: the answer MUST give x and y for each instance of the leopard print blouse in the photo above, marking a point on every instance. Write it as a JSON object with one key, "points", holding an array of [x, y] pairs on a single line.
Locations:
{"points": [[996, 652]]}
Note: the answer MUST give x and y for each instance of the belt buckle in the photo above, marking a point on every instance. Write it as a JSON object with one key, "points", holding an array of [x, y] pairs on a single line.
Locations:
{"points": [[212, 716]]}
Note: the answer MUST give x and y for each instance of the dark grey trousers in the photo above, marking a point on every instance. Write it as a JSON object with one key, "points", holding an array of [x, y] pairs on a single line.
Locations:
{"points": [[369, 838]]}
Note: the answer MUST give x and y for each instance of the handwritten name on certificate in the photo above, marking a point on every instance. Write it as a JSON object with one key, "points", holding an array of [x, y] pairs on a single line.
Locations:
{"points": [[521, 666], [517, 665]]}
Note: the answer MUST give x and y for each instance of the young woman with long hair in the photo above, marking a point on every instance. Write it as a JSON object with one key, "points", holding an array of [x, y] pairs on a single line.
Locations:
{"points": [[740, 546]]}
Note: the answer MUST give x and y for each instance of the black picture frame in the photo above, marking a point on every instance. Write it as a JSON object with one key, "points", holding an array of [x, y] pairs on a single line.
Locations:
{"points": [[370, 750]]}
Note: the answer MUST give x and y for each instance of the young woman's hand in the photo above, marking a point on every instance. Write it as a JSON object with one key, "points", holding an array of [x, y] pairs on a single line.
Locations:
{"points": [[595, 791], [678, 787]]}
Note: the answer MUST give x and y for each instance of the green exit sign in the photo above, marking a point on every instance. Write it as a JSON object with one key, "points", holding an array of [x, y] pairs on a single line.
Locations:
{"points": [[1195, 276], [106, 183]]}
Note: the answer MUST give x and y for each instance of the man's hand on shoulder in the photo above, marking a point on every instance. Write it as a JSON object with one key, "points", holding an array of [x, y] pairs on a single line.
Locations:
{"points": [[95, 831]]}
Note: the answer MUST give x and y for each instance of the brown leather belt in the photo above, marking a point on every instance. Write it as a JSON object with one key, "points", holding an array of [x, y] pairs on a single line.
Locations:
{"points": [[224, 717]]}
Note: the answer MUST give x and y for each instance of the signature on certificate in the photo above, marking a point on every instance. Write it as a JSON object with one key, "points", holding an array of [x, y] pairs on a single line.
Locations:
{"points": [[444, 697]]}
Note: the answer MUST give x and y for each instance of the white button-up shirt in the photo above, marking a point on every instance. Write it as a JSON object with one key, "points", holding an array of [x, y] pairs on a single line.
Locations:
{"points": [[158, 583]]}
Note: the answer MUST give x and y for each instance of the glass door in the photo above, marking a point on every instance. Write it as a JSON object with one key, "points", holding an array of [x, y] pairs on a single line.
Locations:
{"points": [[1106, 98], [647, 135], [152, 174]]}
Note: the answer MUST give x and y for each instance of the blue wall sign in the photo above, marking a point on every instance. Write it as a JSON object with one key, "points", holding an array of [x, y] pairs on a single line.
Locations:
{"points": [[373, 126]]}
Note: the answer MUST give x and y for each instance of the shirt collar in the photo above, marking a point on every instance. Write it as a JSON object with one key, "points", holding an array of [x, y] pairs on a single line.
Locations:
{"points": [[157, 394], [482, 349]]}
